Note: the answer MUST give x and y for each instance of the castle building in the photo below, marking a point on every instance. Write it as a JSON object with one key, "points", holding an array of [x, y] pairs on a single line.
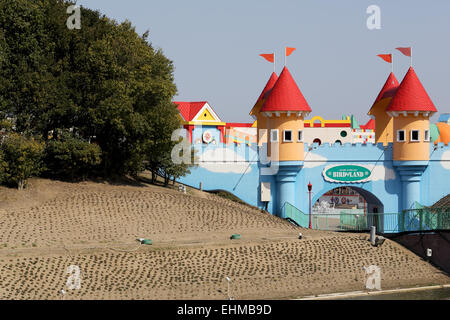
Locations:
{"points": [[397, 161]]}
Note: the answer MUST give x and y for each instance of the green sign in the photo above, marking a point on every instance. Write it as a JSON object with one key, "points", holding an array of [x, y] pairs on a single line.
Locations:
{"points": [[346, 173]]}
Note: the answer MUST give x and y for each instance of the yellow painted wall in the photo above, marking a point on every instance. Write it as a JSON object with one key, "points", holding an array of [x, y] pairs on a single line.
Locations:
{"points": [[205, 115], [261, 124], [384, 124], [288, 151], [404, 151]]}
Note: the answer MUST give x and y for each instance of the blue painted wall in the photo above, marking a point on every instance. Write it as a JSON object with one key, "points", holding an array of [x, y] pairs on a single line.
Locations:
{"points": [[237, 169], [198, 131]]}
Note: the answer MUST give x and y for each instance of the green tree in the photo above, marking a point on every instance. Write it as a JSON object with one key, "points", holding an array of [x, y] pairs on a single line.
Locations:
{"points": [[3, 168], [70, 157], [23, 157], [104, 82], [164, 122]]}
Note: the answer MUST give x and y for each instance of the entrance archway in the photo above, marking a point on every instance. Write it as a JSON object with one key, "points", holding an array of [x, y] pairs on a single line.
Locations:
{"points": [[347, 208]]}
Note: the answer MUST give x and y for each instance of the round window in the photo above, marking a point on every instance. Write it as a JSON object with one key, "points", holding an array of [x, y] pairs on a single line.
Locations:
{"points": [[207, 137], [343, 133]]}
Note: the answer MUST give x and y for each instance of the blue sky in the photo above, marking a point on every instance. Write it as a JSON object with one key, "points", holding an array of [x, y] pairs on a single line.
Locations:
{"points": [[215, 46]]}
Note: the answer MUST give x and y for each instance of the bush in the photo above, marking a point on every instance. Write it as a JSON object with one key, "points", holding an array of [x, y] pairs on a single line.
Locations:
{"points": [[3, 167], [22, 159], [70, 157]]}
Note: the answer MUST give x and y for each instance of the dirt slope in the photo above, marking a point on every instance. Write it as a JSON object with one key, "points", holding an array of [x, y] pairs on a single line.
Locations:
{"points": [[52, 225]]}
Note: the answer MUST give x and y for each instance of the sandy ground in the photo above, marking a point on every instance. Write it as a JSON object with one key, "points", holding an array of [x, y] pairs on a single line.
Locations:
{"points": [[52, 225]]}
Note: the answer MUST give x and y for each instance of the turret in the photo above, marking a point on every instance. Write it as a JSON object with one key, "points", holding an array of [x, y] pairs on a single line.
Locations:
{"points": [[383, 122], [284, 112], [261, 121], [410, 109]]}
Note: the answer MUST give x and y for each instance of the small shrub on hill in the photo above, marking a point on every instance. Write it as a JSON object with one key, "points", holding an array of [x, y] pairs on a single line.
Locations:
{"points": [[70, 157], [3, 167], [21, 159]]}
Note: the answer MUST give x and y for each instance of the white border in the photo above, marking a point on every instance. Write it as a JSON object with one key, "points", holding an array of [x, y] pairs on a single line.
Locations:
{"points": [[271, 136], [425, 135], [284, 132], [404, 135], [368, 167], [211, 111], [411, 134], [300, 140]]}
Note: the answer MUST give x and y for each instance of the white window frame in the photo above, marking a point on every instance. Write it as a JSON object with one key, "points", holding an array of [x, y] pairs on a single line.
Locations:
{"points": [[426, 136], [411, 135], [398, 136], [272, 131], [284, 136], [300, 132]]}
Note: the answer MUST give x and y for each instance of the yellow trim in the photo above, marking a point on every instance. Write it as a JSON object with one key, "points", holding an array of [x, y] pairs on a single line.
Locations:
{"points": [[255, 124], [205, 115], [323, 122], [205, 123]]}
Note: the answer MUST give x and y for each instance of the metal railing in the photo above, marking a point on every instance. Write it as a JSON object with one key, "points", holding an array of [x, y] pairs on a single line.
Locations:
{"points": [[290, 212], [424, 219]]}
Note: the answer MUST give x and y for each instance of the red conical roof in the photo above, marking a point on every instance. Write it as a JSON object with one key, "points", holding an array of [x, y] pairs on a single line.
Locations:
{"points": [[285, 95], [389, 88], [272, 80], [411, 95], [269, 85]]}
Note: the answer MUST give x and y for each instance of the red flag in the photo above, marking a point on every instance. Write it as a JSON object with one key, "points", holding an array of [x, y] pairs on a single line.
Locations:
{"points": [[386, 57], [289, 51], [406, 51], [268, 56]]}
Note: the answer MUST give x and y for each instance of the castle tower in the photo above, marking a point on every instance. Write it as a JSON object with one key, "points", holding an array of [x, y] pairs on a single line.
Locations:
{"points": [[255, 112], [383, 122], [284, 111], [410, 109]]}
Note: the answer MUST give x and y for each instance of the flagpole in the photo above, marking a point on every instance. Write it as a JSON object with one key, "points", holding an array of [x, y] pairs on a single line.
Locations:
{"points": [[411, 56], [274, 69], [392, 63], [285, 57]]}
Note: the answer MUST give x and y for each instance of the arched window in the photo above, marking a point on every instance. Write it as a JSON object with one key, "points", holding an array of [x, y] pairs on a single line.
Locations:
{"points": [[338, 141], [317, 140]]}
